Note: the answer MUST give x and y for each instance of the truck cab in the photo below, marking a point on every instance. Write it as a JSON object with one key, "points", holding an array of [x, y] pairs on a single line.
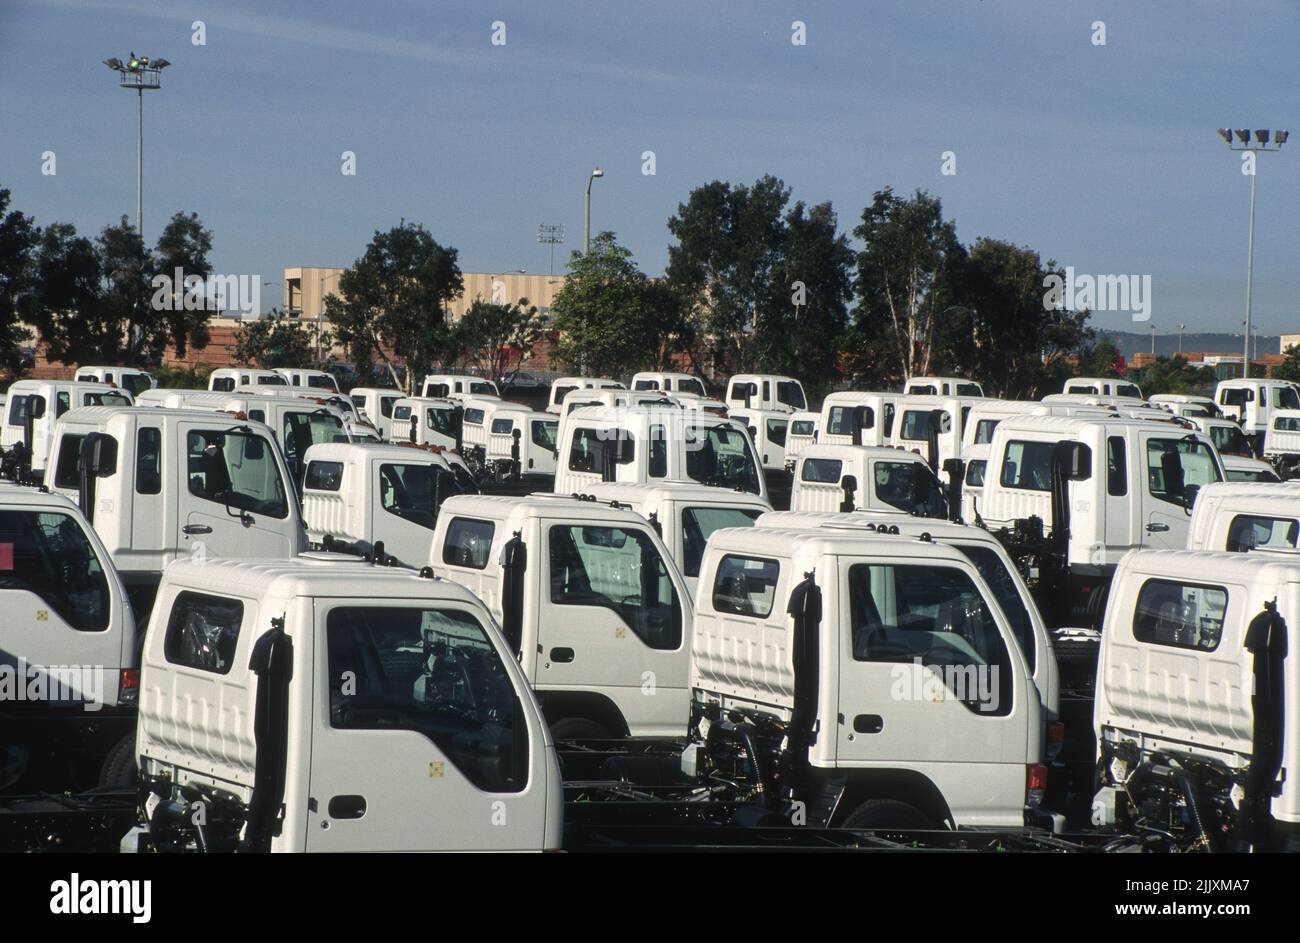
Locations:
{"points": [[563, 386], [1282, 441], [610, 443], [1224, 433], [456, 386], [684, 515], [163, 484], [1252, 402], [225, 379], [376, 405], [1186, 404], [872, 677], [321, 704], [1097, 488], [356, 496], [675, 384], [765, 391], [803, 431], [942, 386], [1241, 516], [852, 418], [850, 477], [1102, 386], [1197, 703], [428, 421], [320, 380], [130, 379], [521, 445], [34, 407], [594, 609], [68, 649]]}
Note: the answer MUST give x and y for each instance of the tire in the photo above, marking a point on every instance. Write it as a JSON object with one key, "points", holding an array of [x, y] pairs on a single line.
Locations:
{"points": [[579, 728], [887, 813], [119, 770]]}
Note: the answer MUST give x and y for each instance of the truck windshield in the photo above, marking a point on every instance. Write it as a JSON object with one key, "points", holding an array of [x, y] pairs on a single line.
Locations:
{"points": [[910, 487], [49, 555], [1285, 397], [1007, 594], [1229, 440], [415, 492], [691, 385], [721, 456], [237, 469], [111, 398], [434, 672], [699, 523], [790, 393]]}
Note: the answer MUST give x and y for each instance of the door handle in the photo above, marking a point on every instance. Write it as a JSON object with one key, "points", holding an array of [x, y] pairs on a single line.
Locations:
{"points": [[564, 655], [347, 807], [868, 723], [1157, 528], [196, 529]]}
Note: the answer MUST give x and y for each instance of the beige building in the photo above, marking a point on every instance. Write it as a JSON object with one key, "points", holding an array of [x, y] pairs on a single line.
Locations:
{"points": [[306, 288], [1288, 340]]}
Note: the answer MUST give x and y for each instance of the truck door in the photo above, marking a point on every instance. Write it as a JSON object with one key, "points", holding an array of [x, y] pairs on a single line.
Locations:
{"points": [[1175, 468], [420, 740], [611, 620], [58, 611], [927, 682], [234, 498]]}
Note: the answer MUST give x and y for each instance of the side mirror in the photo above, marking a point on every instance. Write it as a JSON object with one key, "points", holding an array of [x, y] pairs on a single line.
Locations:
{"points": [[1077, 460], [99, 454], [848, 485], [626, 450], [36, 407], [1171, 469]]}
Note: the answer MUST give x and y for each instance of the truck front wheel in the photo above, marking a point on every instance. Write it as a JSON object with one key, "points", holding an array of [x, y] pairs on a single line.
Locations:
{"points": [[887, 813]]}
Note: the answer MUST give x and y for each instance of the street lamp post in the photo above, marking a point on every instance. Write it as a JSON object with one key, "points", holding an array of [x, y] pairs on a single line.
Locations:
{"points": [[139, 74], [1259, 144], [1153, 340], [551, 235], [586, 214], [1181, 327]]}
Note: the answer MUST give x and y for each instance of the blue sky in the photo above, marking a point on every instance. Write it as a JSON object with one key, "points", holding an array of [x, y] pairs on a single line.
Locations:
{"points": [[1102, 157]]}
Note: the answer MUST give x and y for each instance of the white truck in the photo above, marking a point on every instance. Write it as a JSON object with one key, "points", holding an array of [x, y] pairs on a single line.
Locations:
{"points": [[684, 514], [1197, 703], [1224, 433], [803, 431], [377, 499], [1102, 386], [853, 418], [1071, 496], [1282, 441], [563, 386], [456, 386], [1252, 403], [1240, 516], [33, 408], [68, 650], [676, 384], [163, 484], [871, 678], [942, 386], [1186, 404], [521, 446], [319, 380], [849, 477], [588, 597], [765, 391], [611, 443], [319, 704], [225, 379], [132, 380], [428, 421], [376, 405]]}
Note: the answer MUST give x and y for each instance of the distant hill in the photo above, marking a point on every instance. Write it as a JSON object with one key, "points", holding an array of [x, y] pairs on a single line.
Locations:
{"points": [[1167, 344]]}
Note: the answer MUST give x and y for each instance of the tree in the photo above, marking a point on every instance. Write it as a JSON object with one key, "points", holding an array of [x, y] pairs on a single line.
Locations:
{"points": [[812, 277], [907, 274], [18, 237], [65, 301], [1002, 332], [612, 319], [499, 338], [125, 314], [723, 268], [1099, 360], [1289, 368], [184, 246], [275, 340], [1175, 375], [394, 298]]}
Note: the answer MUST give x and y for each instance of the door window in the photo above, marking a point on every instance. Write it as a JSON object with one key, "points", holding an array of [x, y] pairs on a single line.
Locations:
{"points": [[435, 672], [236, 469], [49, 555]]}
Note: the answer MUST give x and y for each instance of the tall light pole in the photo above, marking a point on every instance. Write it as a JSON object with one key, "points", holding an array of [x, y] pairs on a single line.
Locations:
{"points": [[1153, 340], [586, 215], [1181, 327], [139, 74], [551, 235], [1260, 144]]}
